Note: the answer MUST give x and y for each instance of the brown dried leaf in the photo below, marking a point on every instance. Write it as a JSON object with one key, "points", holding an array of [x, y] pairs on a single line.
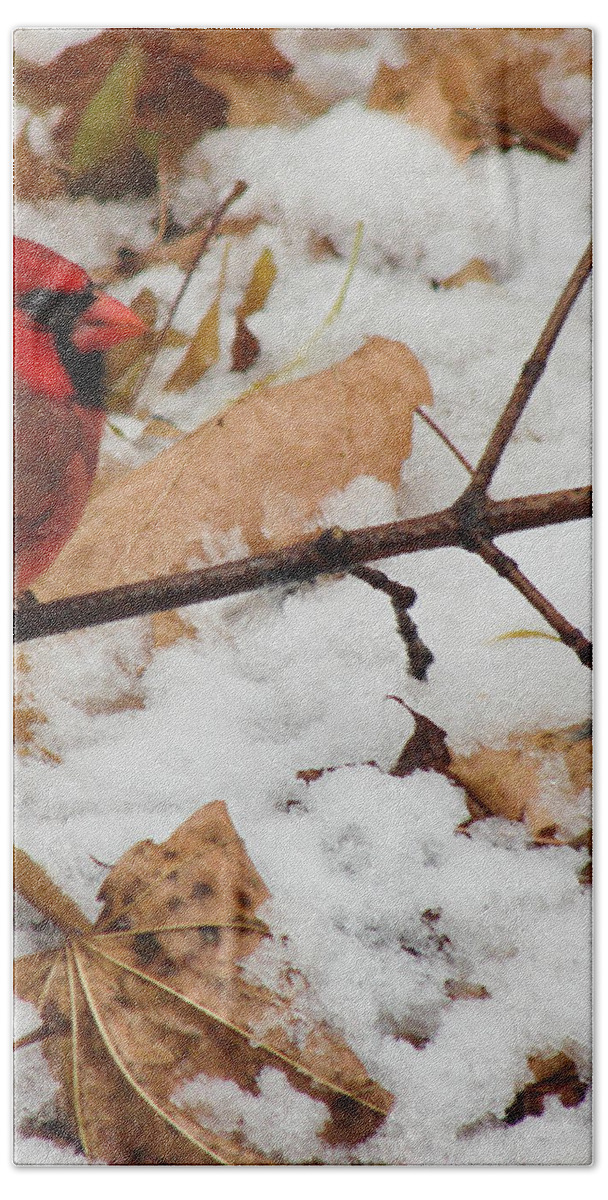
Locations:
{"points": [[28, 717], [35, 176], [155, 996], [460, 989], [258, 472], [28, 720], [480, 87], [415, 92], [262, 100], [158, 428], [425, 750], [475, 271], [518, 782], [555, 1075], [126, 92], [125, 361], [262, 278], [243, 51], [245, 346], [170, 627]]}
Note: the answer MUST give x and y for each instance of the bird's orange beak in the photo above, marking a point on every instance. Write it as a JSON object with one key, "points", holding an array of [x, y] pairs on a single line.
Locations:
{"points": [[105, 323]]}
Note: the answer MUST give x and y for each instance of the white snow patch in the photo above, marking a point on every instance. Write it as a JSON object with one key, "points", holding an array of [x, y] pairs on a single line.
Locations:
{"points": [[278, 1120]]}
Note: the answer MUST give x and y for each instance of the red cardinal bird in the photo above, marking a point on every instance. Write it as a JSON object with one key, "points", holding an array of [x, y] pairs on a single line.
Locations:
{"points": [[62, 326]]}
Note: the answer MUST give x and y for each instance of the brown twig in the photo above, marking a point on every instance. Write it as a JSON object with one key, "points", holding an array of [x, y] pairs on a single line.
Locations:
{"points": [[508, 569], [332, 552], [212, 227], [401, 598], [530, 375], [445, 439]]}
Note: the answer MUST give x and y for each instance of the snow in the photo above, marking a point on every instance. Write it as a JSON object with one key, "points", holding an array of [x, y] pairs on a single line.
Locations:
{"points": [[43, 45], [289, 679], [347, 67], [281, 1120]]}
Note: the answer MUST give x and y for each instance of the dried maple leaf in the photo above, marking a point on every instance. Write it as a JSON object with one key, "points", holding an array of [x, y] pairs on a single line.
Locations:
{"points": [[256, 475], [483, 87], [155, 996]]}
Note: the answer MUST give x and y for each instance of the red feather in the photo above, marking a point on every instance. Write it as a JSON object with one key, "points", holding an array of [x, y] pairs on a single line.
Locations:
{"points": [[58, 423]]}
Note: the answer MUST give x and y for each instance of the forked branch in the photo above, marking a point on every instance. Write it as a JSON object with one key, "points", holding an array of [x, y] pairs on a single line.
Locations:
{"points": [[331, 553], [472, 522]]}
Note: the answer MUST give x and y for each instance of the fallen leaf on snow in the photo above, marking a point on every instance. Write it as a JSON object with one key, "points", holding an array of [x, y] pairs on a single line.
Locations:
{"points": [[170, 627], [555, 1075], [541, 778], [29, 717], [245, 346], [475, 271], [155, 996], [253, 477], [485, 87], [129, 96], [425, 750], [204, 349], [202, 353]]}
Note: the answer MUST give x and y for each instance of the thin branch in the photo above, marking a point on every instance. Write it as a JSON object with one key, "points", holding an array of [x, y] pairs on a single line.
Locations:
{"points": [[211, 229], [332, 552], [530, 375], [420, 412], [401, 598], [508, 569]]}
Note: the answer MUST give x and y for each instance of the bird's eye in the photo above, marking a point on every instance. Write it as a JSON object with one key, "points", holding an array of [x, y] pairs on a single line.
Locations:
{"points": [[39, 303], [56, 311]]}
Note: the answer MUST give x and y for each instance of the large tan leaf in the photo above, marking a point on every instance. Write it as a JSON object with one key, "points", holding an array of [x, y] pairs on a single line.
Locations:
{"points": [[257, 474], [154, 996]]}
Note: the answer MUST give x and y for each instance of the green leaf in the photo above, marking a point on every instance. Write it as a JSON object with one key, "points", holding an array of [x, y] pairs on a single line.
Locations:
{"points": [[148, 143], [109, 115]]}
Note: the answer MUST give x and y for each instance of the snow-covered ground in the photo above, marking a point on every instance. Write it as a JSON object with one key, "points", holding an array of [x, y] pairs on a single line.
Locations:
{"points": [[281, 681]]}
